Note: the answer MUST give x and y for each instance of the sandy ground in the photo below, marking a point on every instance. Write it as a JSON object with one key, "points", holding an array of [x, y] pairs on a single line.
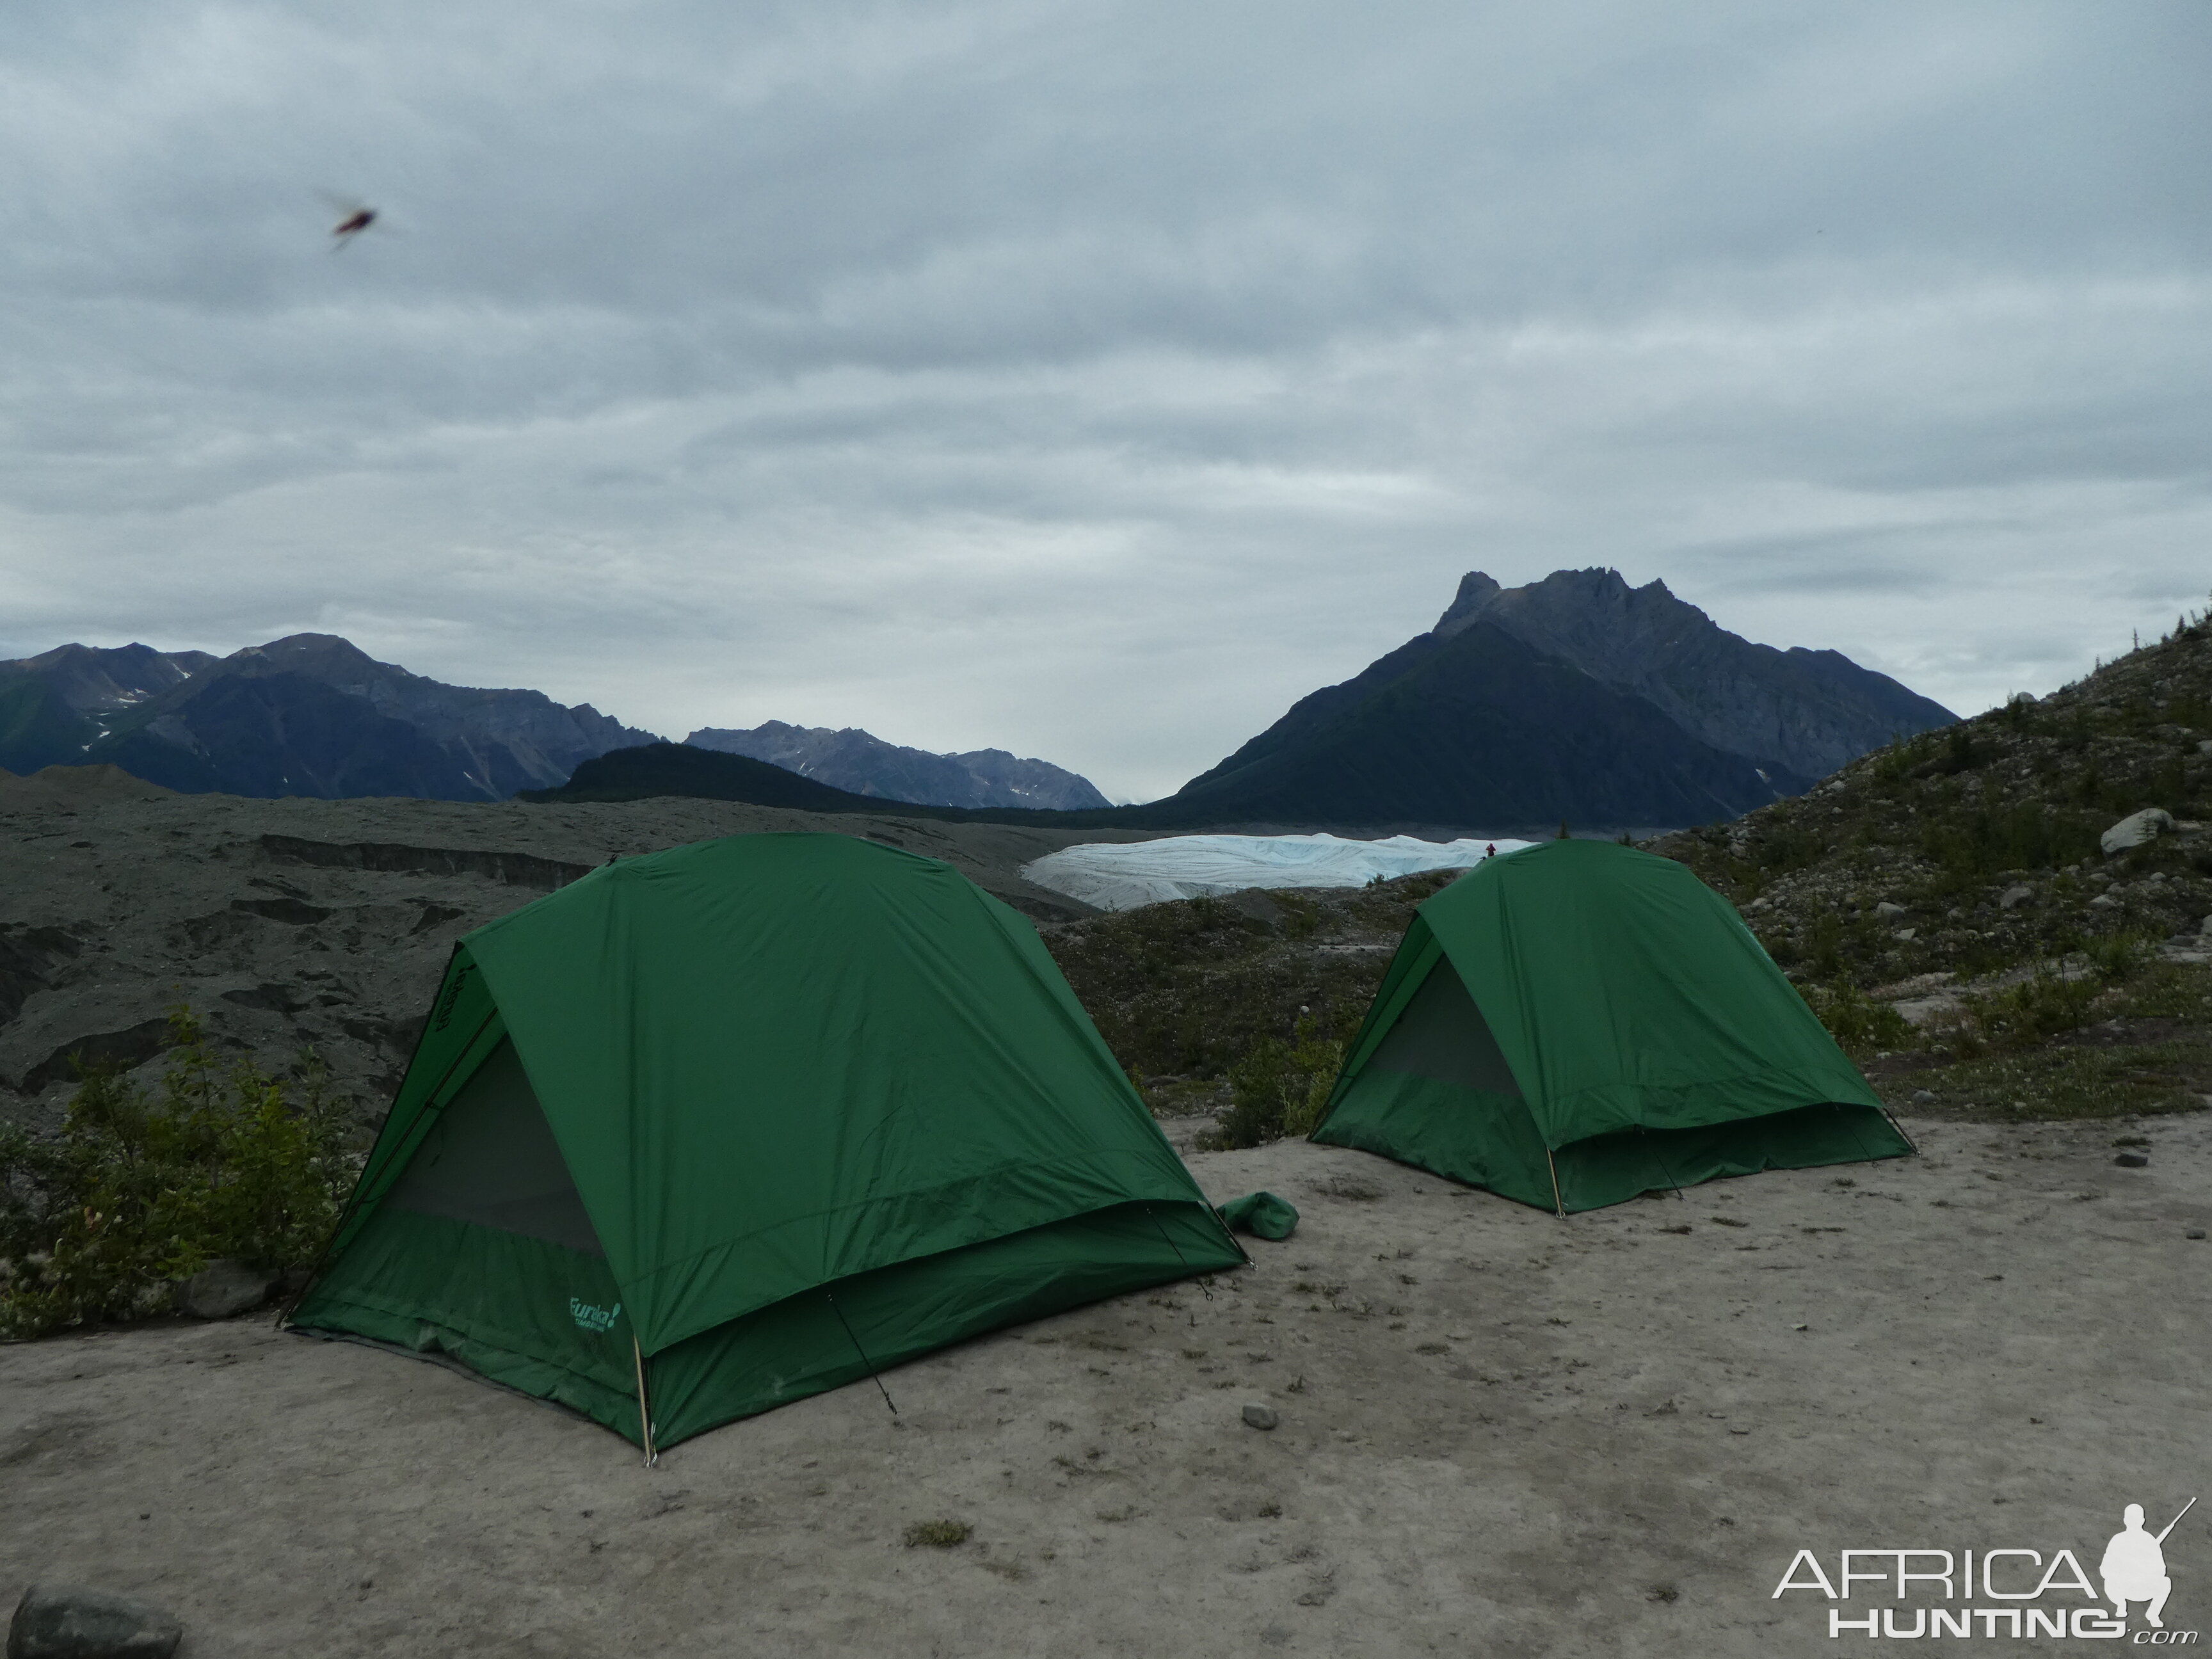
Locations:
{"points": [[1500, 1433]]}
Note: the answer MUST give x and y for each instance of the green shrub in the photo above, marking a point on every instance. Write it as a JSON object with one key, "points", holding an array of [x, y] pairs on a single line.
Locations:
{"points": [[136, 1193], [2119, 956], [1859, 1026], [2039, 1008], [1278, 1089]]}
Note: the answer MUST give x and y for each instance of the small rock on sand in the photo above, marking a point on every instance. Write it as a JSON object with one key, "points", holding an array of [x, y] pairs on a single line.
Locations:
{"points": [[1259, 1417], [62, 1622]]}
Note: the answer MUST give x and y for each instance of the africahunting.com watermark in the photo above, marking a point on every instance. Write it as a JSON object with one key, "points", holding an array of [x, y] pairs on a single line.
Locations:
{"points": [[2009, 1593]]}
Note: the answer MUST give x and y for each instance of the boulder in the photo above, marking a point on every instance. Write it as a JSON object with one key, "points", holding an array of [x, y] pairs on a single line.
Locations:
{"points": [[2014, 895], [223, 1288], [1259, 1417], [2136, 829], [54, 1621], [2205, 748], [1886, 909]]}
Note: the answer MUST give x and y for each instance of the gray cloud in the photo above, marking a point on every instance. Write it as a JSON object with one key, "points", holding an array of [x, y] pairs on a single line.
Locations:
{"points": [[1093, 380]]}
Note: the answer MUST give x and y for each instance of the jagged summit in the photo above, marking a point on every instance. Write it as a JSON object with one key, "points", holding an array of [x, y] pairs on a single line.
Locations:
{"points": [[1575, 698], [1794, 711]]}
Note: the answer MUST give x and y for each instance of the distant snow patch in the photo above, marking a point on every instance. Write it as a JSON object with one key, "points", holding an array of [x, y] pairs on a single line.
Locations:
{"points": [[1123, 876]]}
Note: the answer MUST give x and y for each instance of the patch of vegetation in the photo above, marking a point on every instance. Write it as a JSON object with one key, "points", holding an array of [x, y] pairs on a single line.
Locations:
{"points": [[939, 1535], [1279, 1089], [2021, 1016], [1860, 1026], [1971, 858], [1189, 989], [2073, 1080], [136, 1193]]}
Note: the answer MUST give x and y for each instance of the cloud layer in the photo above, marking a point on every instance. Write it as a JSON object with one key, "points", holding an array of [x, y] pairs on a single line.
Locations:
{"points": [[1093, 380]]}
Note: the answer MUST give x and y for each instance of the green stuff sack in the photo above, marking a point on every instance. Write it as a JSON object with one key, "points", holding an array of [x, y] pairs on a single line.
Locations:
{"points": [[1261, 1214]]}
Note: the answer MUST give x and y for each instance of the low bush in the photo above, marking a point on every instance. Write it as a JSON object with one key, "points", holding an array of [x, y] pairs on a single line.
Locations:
{"points": [[1859, 1026], [1279, 1088], [136, 1193], [2071, 1081], [2036, 1009]]}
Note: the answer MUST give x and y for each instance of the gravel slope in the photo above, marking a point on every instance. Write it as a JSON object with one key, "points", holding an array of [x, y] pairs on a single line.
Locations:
{"points": [[285, 922]]}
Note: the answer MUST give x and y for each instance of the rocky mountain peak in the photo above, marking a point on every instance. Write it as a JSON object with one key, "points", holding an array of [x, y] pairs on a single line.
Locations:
{"points": [[1798, 711], [94, 678]]}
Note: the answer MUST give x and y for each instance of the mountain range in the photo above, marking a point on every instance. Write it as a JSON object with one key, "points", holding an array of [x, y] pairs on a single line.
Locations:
{"points": [[853, 761], [1574, 699], [308, 714]]}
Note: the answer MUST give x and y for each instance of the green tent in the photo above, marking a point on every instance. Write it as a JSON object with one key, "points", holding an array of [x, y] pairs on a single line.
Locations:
{"points": [[1577, 1022], [732, 1124]]}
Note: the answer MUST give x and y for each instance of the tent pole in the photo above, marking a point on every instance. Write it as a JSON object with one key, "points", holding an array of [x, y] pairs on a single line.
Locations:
{"points": [[644, 1409], [1559, 1204]]}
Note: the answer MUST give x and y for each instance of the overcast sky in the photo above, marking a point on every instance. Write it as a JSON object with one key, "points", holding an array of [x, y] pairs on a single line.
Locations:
{"points": [[1093, 380]]}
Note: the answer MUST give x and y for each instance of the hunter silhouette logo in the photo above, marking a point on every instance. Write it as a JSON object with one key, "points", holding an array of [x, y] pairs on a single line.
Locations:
{"points": [[2134, 1567], [2026, 1593]]}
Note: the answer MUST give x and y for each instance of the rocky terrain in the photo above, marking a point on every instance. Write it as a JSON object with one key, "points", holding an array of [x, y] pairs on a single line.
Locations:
{"points": [[854, 761], [1970, 905], [291, 924]]}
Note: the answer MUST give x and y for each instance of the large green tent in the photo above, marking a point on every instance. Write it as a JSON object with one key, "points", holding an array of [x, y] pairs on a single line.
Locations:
{"points": [[726, 1125], [1578, 1022]]}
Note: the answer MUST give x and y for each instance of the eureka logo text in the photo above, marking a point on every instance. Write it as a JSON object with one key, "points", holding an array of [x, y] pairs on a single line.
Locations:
{"points": [[590, 1318]]}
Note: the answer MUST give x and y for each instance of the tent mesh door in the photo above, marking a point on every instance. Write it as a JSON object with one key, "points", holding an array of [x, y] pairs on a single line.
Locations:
{"points": [[1442, 1034], [491, 1159]]}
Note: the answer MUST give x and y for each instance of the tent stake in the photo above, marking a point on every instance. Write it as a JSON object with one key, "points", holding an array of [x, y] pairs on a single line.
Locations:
{"points": [[1559, 1204], [644, 1408]]}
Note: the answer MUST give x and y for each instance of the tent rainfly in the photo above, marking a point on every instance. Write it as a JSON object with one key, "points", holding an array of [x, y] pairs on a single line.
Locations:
{"points": [[1577, 1023], [717, 1128]]}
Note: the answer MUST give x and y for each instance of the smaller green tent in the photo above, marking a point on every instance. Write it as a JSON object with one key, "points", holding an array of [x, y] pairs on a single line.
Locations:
{"points": [[717, 1128], [1578, 1022]]}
